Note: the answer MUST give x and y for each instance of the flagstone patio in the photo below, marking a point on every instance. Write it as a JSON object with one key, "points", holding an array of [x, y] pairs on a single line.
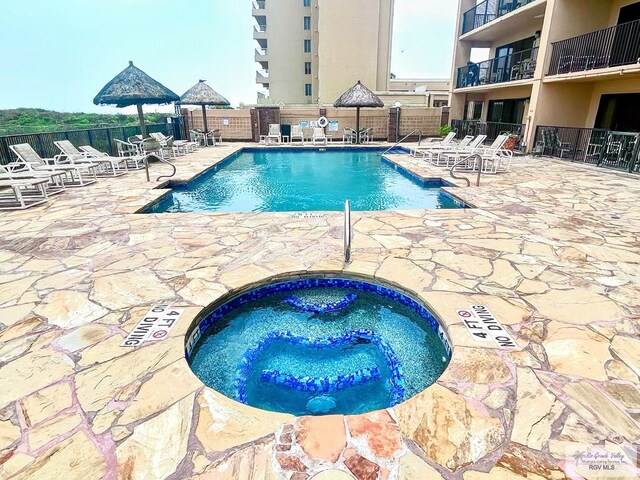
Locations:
{"points": [[551, 247]]}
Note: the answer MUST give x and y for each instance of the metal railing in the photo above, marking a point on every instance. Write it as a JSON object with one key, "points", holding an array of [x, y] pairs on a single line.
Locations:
{"points": [[260, 28], [347, 231], [595, 146], [476, 158], [259, 4], [488, 11], [403, 139], [100, 138], [610, 47], [490, 129], [508, 68]]}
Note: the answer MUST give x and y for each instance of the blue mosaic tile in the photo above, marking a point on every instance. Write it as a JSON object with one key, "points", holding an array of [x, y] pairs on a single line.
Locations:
{"points": [[311, 307]]}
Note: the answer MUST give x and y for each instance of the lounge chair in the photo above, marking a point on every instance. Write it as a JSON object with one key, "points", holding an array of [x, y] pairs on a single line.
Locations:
{"points": [[55, 180], [113, 166], [445, 142], [433, 154], [319, 136], [168, 146], [297, 133], [274, 134], [29, 159], [21, 194], [451, 157]]}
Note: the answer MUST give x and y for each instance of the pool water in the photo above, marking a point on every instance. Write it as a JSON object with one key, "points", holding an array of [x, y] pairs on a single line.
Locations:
{"points": [[285, 180], [321, 346]]}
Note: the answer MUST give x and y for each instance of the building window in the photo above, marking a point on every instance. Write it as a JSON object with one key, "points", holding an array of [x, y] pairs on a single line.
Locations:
{"points": [[440, 103], [306, 3], [307, 68], [307, 23], [307, 46], [307, 89]]}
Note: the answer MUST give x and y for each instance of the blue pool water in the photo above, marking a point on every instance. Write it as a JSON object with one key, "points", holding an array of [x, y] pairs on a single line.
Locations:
{"points": [[285, 180], [319, 346]]}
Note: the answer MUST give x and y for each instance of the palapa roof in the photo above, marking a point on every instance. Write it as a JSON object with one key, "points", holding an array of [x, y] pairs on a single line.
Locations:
{"points": [[358, 96], [202, 94], [134, 87]]}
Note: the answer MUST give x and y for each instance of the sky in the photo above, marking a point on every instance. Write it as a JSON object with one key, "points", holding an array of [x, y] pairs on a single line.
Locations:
{"points": [[57, 54]]}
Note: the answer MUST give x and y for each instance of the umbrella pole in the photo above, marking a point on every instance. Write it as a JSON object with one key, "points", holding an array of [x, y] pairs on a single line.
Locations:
{"points": [[204, 119], [143, 127], [358, 125]]}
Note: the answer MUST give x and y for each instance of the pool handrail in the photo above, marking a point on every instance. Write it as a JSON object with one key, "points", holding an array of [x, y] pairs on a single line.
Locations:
{"points": [[403, 139], [347, 231]]}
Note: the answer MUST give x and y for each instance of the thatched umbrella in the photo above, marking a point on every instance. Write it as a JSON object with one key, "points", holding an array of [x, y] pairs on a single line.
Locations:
{"points": [[358, 96], [134, 87], [202, 94]]}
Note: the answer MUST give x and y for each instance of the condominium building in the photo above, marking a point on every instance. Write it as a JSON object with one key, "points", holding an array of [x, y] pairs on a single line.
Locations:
{"points": [[562, 63], [311, 51]]}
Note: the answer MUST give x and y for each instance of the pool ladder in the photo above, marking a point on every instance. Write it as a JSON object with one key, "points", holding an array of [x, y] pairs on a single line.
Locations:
{"points": [[347, 231], [157, 157], [403, 139]]}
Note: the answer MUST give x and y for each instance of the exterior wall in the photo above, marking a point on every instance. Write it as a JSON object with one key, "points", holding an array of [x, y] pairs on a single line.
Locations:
{"points": [[285, 51], [609, 87], [350, 41], [427, 120], [239, 127], [410, 85], [354, 44]]}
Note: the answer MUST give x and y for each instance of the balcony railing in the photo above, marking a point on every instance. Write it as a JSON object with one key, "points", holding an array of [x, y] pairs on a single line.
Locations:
{"points": [[490, 129], [611, 47], [508, 68], [259, 4], [488, 11], [603, 148], [260, 28]]}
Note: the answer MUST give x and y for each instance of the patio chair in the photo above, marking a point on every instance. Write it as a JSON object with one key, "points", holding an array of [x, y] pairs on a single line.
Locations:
{"points": [[21, 194], [297, 133], [168, 146], [319, 136], [187, 145], [365, 135], [551, 142], [198, 137], [113, 166], [135, 161], [55, 180], [274, 134], [433, 155], [216, 135], [33, 162], [349, 135]]}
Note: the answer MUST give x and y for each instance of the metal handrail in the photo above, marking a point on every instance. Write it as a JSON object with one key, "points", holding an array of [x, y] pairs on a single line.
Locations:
{"points": [[172, 173], [347, 231], [403, 139], [464, 160], [159, 158]]}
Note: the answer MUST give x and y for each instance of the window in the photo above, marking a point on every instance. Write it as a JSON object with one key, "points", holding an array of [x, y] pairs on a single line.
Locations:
{"points": [[307, 23], [307, 68], [440, 103], [306, 3], [307, 46], [307, 89]]}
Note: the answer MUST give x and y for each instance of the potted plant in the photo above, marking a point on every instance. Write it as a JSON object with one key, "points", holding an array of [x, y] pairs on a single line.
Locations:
{"points": [[512, 141]]}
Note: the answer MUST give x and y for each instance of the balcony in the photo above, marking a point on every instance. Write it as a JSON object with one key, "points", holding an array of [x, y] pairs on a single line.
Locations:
{"points": [[260, 32], [488, 11], [259, 4], [610, 47], [508, 68], [262, 77]]}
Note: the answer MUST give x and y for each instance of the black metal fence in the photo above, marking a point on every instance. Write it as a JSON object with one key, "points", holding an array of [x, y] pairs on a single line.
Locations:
{"points": [[604, 148], [610, 47], [487, 11], [508, 68], [100, 138], [490, 129]]}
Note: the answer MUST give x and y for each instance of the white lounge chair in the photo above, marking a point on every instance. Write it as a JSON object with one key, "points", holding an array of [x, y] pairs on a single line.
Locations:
{"points": [[446, 142], [318, 136], [451, 157], [112, 166], [30, 160], [274, 134], [495, 158], [297, 133], [55, 180], [21, 194], [433, 154], [168, 146]]}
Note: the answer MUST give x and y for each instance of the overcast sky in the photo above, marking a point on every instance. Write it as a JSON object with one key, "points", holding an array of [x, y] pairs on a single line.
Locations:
{"points": [[57, 54]]}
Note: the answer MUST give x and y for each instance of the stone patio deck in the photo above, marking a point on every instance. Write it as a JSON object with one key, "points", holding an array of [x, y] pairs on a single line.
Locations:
{"points": [[552, 248]]}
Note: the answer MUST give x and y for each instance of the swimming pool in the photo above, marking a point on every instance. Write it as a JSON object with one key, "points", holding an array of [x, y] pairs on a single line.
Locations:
{"points": [[319, 345], [288, 179]]}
